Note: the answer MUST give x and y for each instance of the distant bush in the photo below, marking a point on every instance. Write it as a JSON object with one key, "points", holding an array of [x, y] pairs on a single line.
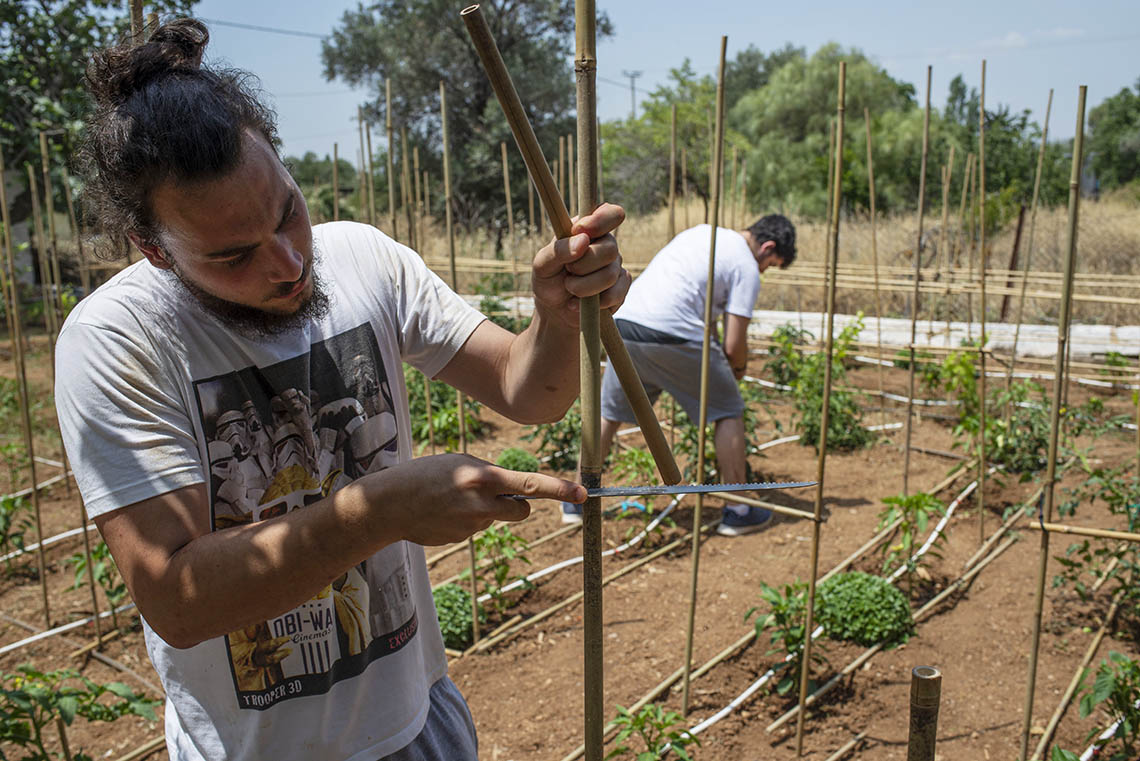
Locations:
{"points": [[521, 460], [453, 606]]}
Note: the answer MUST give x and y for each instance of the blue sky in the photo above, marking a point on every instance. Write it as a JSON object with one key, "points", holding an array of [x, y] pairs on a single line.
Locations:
{"points": [[1029, 47]]}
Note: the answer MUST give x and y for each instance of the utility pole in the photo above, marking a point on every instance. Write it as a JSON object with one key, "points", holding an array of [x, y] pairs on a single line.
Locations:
{"points": [[633, 75]]}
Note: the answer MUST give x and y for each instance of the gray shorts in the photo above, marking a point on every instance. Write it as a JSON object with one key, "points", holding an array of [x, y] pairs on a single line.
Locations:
{"points": [[448, 735], [675, 368]]}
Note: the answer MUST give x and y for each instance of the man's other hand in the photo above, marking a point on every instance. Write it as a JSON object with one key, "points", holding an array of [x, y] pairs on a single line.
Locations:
{"points": [[587, 263]]}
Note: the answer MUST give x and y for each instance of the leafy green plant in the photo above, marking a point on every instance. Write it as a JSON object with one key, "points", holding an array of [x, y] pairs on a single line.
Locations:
{"points": [[15, 456], [105, 573], [656, 729], [914, 512], [636, 467], [513, 458], [845, 429], [1060, 754], [500, 546], [783, 365], [1020, 445], [863, 608], [30, 700], [1116, 688], [497, 312], [15, 521], [785, 624], [559, 440], [453, 607], [445, 418]]}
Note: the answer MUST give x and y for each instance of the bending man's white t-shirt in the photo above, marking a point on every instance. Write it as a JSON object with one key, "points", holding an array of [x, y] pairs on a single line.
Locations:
{"points": [[669, 295]]}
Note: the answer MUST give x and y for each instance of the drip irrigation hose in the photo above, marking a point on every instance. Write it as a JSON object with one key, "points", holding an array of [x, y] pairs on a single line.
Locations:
{"points": [[61, 629]]}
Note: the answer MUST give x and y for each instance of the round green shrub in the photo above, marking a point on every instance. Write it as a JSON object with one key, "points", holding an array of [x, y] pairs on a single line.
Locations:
{"points": [[864, 609], [453, 606], [514, 458]]}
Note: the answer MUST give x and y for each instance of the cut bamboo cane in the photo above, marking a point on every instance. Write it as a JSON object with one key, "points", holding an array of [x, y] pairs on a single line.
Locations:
{"points": [[673, 173], [406, 187], [925, 698], [830, 192], [593, 458], [530, 228], [875, 253], [702, 425], [685, 184], [573, 177], [45, 268], [336, 184], [983, 262], [507, 195], [22, 379], [144, 750], [417, 208], [847, 747], [395, 233], [944, 232], [914, 304], [1051, 466], [368, 209], [425, 211], [562, 170], [560, 220], [49, 213], [1100, 533], [1012, 263], [805, 668], [138, 27]]}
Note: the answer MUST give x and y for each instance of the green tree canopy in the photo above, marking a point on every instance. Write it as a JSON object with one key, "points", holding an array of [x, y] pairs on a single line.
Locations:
{"points": [[419, 43], [1114, 145]]}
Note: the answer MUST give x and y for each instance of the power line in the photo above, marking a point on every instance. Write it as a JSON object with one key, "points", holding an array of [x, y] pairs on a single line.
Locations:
{"points": [[268, 29]]}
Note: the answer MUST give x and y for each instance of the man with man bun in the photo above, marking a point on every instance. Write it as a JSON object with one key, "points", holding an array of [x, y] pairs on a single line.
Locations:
{"points": [[293, 620]]}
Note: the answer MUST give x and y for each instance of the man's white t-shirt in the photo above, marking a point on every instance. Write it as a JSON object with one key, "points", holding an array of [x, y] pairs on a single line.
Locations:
{"points": [[154, 394], [669, 295]]}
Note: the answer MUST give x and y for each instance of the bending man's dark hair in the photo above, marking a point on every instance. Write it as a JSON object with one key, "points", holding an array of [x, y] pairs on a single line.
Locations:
{"points": [[160, 115], [778, 229]]}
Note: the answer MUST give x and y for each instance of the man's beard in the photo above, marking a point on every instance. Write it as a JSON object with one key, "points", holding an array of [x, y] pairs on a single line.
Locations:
{"points": [[258, 323]]}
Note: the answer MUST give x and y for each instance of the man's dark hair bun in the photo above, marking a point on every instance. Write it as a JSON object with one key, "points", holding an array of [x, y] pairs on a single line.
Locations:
{"points": [[116, 73]]}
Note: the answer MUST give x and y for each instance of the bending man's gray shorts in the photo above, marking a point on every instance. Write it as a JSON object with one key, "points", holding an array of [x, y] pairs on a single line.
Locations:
{"points": [[675, 368]]}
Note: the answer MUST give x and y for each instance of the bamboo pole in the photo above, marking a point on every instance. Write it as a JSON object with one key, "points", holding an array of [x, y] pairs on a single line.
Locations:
{"points": [[25, 400], [914, 306], [530, 228], [562, 169], [507, 197], [417, 209], [973, 220], [733, 222], [593, 459], [560, 220], [49, 213], [365, 157], [76, 233], [138, 28], [925, 697], [982, 263], [1012, 263], [944, 233], [702, 416], [875, 254], [830, 192], [371, 178], [571, 174], [601, 170], [1099, 533], [395, 232], [805, 669], [1054, 430], [685, 183], [1032, 230], [406, 187], [336, 184], [425, 213], [673, 174]]}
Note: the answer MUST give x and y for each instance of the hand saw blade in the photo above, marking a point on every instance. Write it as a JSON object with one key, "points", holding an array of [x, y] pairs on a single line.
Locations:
{"points": [[646, 491]]}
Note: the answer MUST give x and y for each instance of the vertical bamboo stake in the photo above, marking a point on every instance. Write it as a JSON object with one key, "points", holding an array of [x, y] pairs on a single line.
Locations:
{"points": [[25, 400], [406, 186], [76, 234], [530, 228], [49, 212], [925, 699], [50, 325], [875, 262], [809, 624], [914, 296], [1055, 427], [743, 200], [571, 177], [943, 233], [138, 29], [1029, 242], [970, 252], [714, 189], [507, 193], [983, 261], [732, 220], [417, 209], [336, 183], [365, 206], [967, 184], [395, 232], [425, 215], [585, 70], [685, 184], [673, 174], [598, 148], [830, 192], [562, 168], [371, 175]]}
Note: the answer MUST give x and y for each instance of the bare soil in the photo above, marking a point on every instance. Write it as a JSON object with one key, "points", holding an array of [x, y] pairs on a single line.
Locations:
{"points": [[526, 693]]}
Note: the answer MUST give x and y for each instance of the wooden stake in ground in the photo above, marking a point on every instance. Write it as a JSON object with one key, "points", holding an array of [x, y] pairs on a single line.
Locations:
{"points": [[395, 232], [685, 184], [417, 207], [1029, 242], [530, 228], [406, 187], [138, 28], [49, 212], [562, 169], [507, 194], [371, 176], [875, 261], [914, 305], [830, 186], [943, 232], [571, 176], [1055, 426], [365, 204], [925, 699], [336, 184], [805, 669], [539, 170], [673, 174], [702, 416], [983, 261], [585, 72], [22, 379], [967, 184]]}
